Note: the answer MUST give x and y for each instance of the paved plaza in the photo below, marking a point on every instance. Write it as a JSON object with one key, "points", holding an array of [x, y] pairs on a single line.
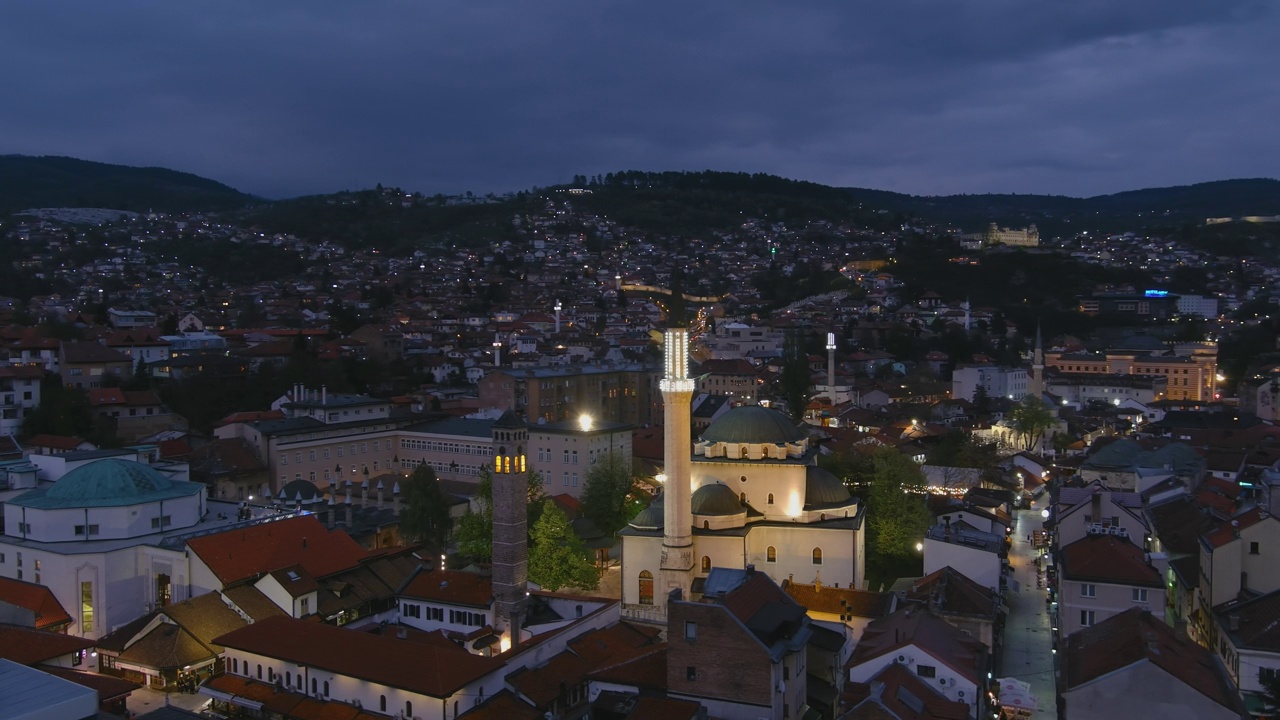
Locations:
{"points": [[1028, 632]]}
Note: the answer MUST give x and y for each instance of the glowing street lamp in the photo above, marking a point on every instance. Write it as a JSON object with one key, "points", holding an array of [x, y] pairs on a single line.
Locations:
{"points": [[585, 422]]}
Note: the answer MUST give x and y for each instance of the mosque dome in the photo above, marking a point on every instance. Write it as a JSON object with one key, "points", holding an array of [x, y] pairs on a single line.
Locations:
{"points": [[296, 490], [715, 499], [110, 482], [753, 424], [822, 489], [651, 517]]}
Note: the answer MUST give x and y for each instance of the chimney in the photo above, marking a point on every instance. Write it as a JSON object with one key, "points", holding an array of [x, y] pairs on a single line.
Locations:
{"points": [[324, 394], [349, 524], [379, 494], [395, 497]]}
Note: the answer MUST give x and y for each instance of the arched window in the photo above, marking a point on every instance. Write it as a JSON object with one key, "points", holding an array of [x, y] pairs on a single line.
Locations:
{"points": [[408, 708], [706, 563], [817, 556], [743, 498], [235, 666], [770, 498], [771, 554], [822, 516], [288, 678], [382, 705], [313, 686], [259, 671], [706, 524], [646, 587], [299, 681], [326, 688]]}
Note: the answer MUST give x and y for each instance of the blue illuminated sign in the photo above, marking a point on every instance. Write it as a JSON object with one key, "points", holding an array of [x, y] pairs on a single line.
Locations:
{"points": [[1157, 293]]}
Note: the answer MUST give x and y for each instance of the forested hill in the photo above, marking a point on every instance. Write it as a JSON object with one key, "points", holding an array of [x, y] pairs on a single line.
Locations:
{"points": [[49, 181]]}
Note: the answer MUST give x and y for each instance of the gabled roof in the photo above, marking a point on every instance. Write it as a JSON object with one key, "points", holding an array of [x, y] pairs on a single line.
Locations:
{"points": [[389, 661], [646, 669], [39, 599], [450, 587], [502, 706], [1229, 531], [1135, 636], [29, 646], [928, 632], [1107, 559], [950, 592], [1252, 624], [895, 693], [246, 553]]}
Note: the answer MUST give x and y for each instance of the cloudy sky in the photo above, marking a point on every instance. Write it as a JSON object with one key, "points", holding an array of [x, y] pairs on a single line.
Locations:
{"points": [[280, 99]]}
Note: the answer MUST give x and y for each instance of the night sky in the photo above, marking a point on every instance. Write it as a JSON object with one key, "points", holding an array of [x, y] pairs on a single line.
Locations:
{"points": [[281, 99]]}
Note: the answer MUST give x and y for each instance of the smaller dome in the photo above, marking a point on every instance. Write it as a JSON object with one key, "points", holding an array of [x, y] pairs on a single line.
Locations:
{"points": [[299, 489], [755, 425], [650, 518], [715, 499], [822, 489]]}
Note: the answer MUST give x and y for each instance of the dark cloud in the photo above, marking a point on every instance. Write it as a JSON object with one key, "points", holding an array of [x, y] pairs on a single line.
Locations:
{"points": [[927, 97]]}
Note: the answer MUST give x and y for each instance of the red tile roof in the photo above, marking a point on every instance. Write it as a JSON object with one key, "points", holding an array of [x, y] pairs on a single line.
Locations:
{"points": [[106, 396], [1107, 559], [1226, 532], [243, 554], [840, 601], [453, 587], [28, 647], [410, 666], [36, 598], [921, 628], [502, 706], [653, 708], [56, 442], [108, 687], [896, 681], [1135, 636], [954, 593]]}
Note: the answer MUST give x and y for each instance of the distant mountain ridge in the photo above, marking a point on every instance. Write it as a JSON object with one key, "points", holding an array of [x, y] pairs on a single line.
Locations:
{"points": [[28, 181]]}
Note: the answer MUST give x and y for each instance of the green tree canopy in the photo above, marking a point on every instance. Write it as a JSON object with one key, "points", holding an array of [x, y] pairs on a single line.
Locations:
{"points": [[557, 558], [475, 529], [794, 380], [608, 493], [425, 518], [897, 514], [1029, 420]]}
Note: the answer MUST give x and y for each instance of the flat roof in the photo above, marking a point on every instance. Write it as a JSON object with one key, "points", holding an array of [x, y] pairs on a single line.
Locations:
{"points": [[28, 692]]}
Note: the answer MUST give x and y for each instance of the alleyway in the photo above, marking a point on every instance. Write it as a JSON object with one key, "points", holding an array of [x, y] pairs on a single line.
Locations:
{"points": [[1028, 633]]}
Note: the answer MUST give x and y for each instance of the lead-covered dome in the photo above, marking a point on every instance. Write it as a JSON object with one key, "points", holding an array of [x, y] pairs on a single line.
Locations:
{"points": [[822, 489], [110, 480], [715, 499], [753, 424], [650, 518]]}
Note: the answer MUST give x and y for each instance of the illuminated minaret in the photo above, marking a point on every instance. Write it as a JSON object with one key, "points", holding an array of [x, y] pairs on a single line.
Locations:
{"points": [[965, 305], [510, 532], [831, 368], [558, 317], [677, 526], [497, 350]]}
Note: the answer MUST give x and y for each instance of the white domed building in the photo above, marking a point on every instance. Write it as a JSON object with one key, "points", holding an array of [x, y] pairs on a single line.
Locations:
{"points": [[96, 538], [756, 497]]}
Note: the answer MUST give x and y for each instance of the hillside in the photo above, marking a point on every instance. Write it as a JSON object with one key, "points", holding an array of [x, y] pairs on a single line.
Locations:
{"points": [[49, 181]]}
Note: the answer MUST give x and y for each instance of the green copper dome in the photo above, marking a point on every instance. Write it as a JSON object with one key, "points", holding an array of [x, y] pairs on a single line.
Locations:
{"points": [[108, 483], [715, 499], [753, 424], [822, 489], [112, 479]]}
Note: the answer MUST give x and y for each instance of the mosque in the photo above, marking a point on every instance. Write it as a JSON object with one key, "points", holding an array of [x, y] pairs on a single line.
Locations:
{"points": [[747, 492]]}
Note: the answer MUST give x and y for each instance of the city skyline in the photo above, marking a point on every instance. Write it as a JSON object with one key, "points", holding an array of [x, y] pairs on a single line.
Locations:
{"points": [[985, 97]]}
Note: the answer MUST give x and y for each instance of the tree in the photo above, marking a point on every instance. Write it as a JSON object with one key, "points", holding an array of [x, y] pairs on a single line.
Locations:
{"points": [[795, 379], [1029, 420], [475, 529], [608, 490], [557, 558], [425, 518], [897, 515]]}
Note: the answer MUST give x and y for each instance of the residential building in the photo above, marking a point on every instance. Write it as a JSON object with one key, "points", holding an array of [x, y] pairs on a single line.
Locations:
{"points": [[610, 393], [19, 395], [85, 365], [996, 381], [1102, 575], [1133, 665]]}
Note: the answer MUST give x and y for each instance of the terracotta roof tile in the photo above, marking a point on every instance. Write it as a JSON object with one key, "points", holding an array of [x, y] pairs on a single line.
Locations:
{"points": [[242, 554], [647, 669], [406, 665], [1226, 532], [840, 601], [108, 687], [502, 706], [1134, 636], [1107, 559], [36, 598], [897, 687], [454, 587], [921, 628], [29, 647], [654, 708], [952, 592], [544, 685]]}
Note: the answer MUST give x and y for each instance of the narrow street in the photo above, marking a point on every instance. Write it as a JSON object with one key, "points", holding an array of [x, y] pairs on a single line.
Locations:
{"points": [[1028, 631]]}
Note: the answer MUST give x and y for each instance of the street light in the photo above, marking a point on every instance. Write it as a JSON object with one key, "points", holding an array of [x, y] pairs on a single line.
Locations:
{"points": [[585, 422]]}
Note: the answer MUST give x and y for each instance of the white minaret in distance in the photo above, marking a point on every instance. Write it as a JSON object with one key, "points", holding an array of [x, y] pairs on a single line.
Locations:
{"points": [[497, 350], [677, 525], [831, 368], [558, 316], [965, 305]]}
